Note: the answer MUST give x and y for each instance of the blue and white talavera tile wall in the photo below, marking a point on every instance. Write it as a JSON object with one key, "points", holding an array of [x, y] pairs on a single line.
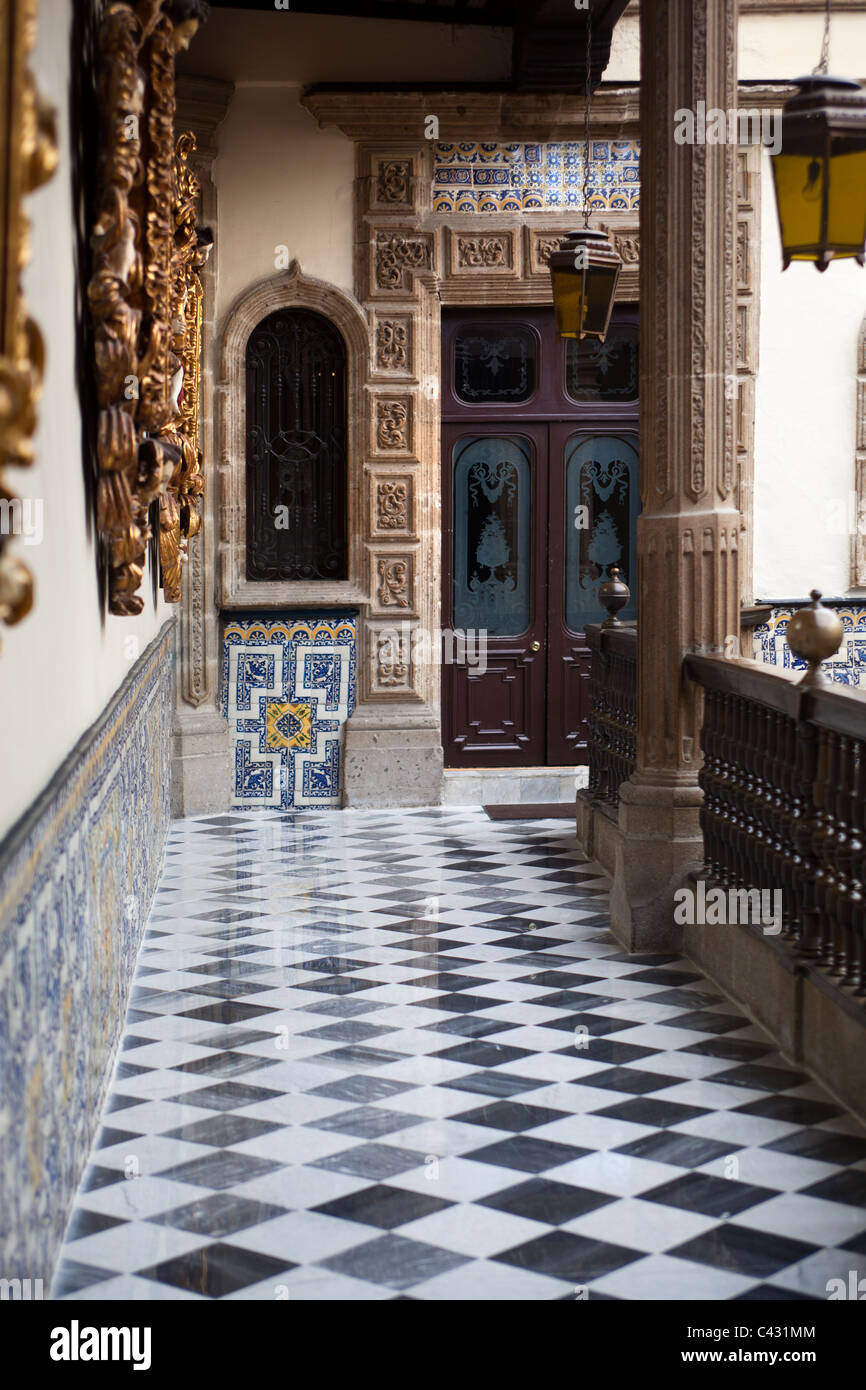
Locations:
{"points": [[476, 176], [847, 667], [288, 689], [77, 879]]}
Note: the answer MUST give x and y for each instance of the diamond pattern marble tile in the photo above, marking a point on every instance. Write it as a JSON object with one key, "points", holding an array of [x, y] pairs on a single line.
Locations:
{"points": [[378, 1056]]}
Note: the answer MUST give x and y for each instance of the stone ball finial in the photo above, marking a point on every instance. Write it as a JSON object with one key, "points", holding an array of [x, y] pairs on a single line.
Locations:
{"points": [[814, 634], [613, 595]]}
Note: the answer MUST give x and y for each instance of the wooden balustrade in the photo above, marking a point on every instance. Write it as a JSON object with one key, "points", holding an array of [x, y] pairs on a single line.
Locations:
{"points": [[612, 708], [784, 781]]}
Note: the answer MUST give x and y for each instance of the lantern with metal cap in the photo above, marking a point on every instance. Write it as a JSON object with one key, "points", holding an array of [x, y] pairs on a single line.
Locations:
{"points": [[584, 270], [820, 170]]}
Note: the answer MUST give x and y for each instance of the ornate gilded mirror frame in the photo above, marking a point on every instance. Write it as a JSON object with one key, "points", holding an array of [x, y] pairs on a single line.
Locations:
{"points": [[145, 299], [28, 158]]}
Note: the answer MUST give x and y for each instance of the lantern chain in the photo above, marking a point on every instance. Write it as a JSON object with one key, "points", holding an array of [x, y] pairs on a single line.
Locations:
{"points": [[825, 43]]}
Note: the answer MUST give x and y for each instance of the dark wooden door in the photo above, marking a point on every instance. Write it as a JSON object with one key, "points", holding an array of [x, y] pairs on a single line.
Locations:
{"points": [[540, 487]]}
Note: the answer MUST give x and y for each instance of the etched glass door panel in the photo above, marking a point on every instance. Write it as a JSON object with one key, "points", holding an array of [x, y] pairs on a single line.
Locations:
{"points": [[297, 517], [494, 366], [492, 534], [602, 503], [605, 371]]}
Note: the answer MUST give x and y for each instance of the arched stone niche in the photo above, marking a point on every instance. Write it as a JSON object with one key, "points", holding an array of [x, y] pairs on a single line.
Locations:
{"points": [[393, 753], [290, 290]]}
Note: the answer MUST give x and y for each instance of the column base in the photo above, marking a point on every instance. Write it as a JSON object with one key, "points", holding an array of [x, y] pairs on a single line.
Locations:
{"points": [[659, 845], [201, 766], [598, 832], [391, 760]]}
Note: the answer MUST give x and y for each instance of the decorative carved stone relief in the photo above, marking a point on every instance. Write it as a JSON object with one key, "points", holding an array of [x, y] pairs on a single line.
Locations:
{"points": [[391, 503], [393, 425], [483, 252], [393, 344], [28, 158], [398, 253], [543, 249], [393, 581], [394, 183], [391, 672], [628, 247]]}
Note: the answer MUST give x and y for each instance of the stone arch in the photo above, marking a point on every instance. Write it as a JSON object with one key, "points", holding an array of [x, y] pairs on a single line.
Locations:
{"points": [[288, 290]]}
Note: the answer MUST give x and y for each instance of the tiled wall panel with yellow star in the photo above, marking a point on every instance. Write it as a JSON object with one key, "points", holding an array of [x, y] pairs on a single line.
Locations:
{"points": [[288, 689]]}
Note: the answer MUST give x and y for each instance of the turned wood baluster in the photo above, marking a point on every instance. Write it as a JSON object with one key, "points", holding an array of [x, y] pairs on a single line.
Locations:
{"points": [[775, 801], [592, 750], [820, 839], [728, 798], [806, 821], [787, 825], [708, 779], [762, 842], [747, 825], [828, 886], [721, 825], [734, 729], [594, 783], [838, 897], [857, 848], [617, 741]]}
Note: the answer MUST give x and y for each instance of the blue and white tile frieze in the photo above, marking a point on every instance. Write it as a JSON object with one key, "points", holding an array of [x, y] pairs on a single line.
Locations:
{"points": [[847, 667]]}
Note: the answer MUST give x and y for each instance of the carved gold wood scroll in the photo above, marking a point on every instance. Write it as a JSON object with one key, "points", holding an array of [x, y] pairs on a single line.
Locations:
{"points": [[180, 505], [145, 244], [28, 157]]}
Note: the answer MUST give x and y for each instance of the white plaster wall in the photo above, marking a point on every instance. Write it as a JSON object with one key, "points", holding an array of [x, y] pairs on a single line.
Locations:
{"points": [[60, 666], [804, 418], [771, 47], [778, 47], [281, 182]]}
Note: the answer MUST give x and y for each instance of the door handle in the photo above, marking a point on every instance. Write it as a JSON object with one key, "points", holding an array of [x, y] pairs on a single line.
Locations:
{"points": [[535, 646]]}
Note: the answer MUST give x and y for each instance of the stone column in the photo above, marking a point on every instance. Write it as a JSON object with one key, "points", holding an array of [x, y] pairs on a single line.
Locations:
{"points": [[393, 742], [201, 754], [688, 533]]}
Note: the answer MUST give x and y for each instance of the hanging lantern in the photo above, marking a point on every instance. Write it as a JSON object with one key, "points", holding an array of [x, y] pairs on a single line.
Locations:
{"points": [[820, 172], [584, 273]]}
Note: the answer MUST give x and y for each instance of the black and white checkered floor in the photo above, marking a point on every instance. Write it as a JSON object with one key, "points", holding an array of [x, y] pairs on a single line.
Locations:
{"points": [[376, 1055]]}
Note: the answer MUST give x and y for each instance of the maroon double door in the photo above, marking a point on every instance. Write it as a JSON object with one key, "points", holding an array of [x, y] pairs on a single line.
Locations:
{"points": [[540, 499]]}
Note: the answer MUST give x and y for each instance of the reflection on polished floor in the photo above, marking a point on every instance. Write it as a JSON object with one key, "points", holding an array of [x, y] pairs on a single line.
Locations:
{"points": [[379, 1055]]}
